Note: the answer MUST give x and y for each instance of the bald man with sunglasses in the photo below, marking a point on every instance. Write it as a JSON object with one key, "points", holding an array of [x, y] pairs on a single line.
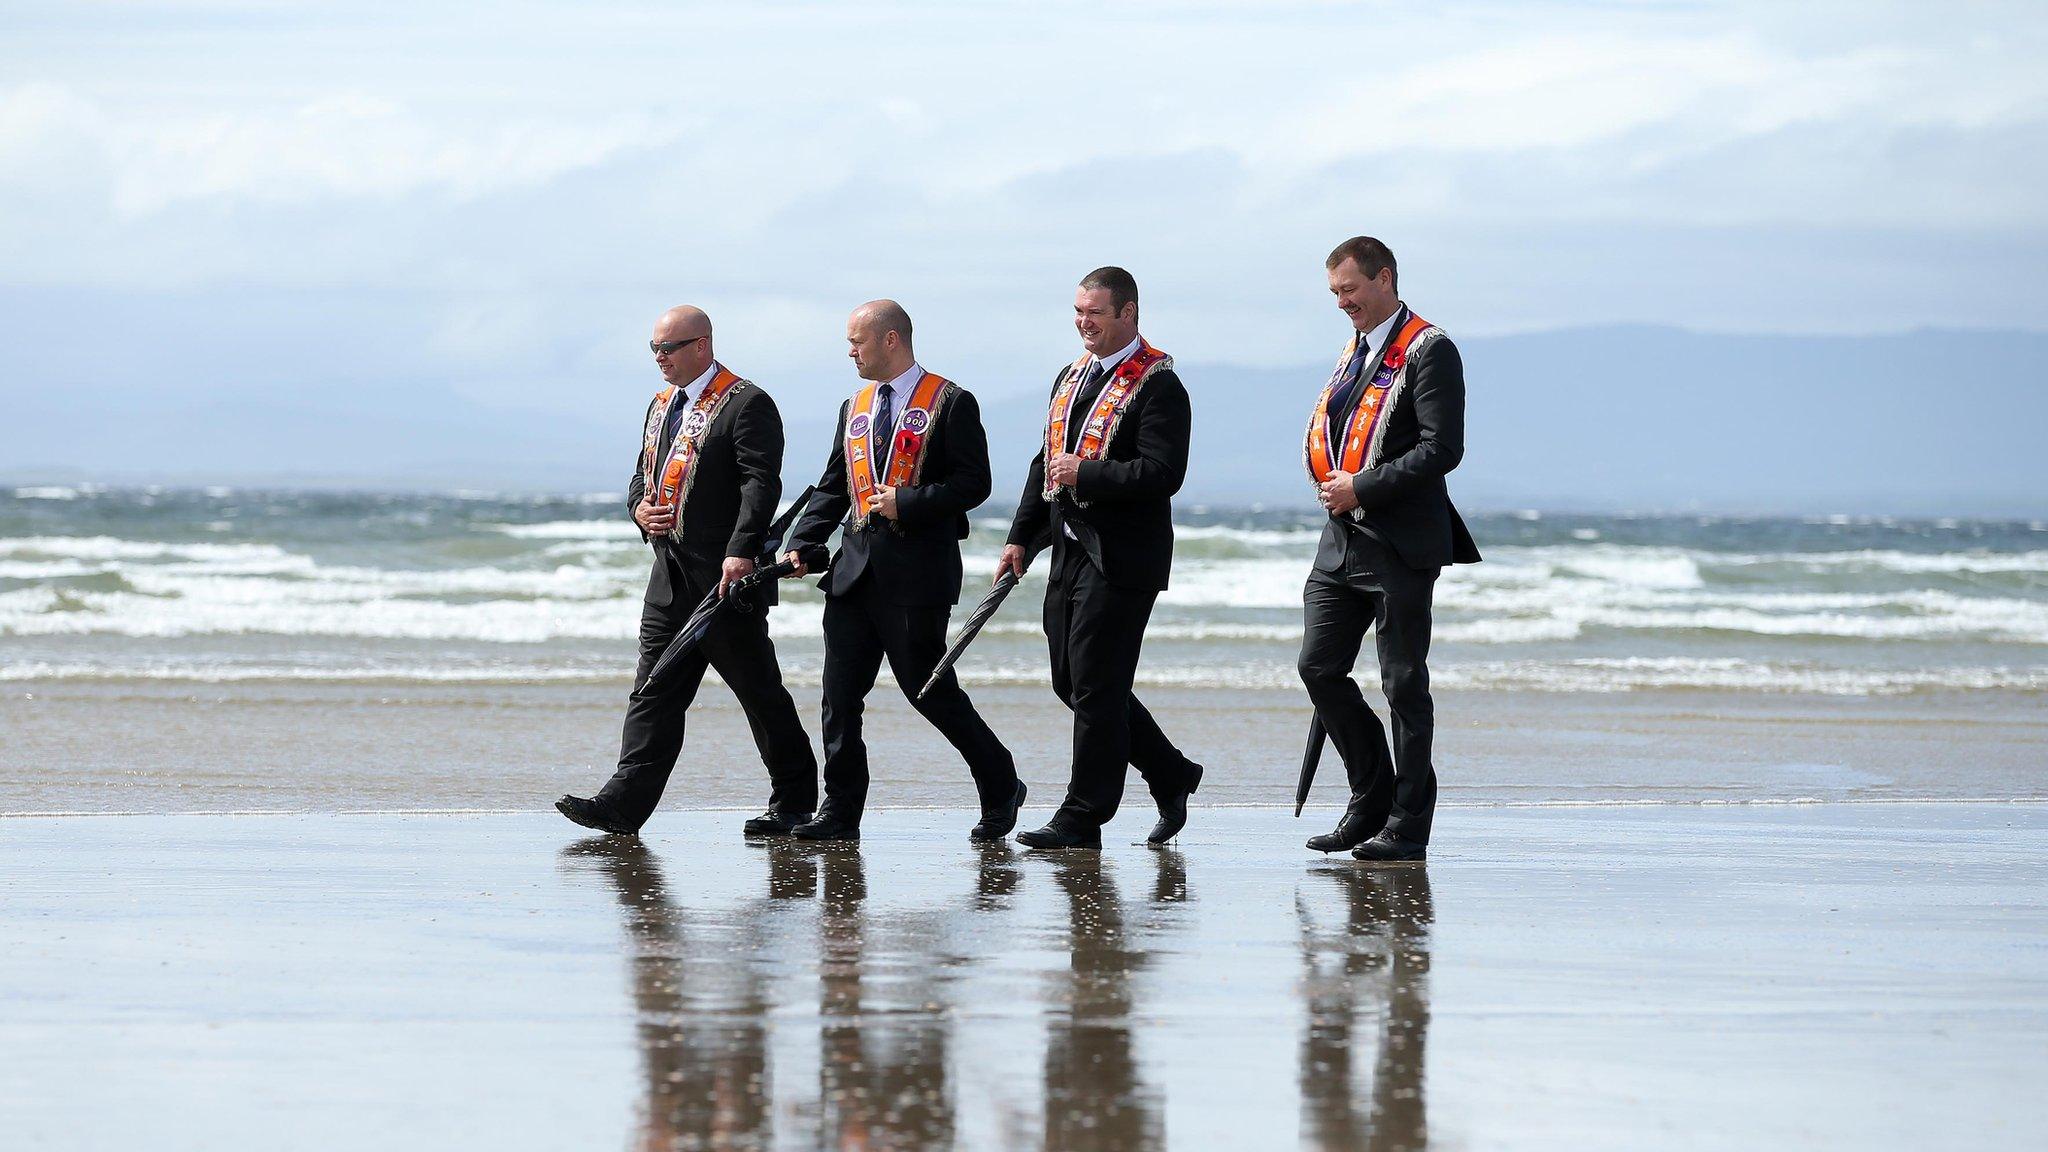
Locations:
{"points": [[704, 489]]}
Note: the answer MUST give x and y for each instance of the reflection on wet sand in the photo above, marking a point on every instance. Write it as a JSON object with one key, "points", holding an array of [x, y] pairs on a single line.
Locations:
{"points": [[1095, 1094], [702, 1020], [1368, 966], [882, 1065], [706, 985]]}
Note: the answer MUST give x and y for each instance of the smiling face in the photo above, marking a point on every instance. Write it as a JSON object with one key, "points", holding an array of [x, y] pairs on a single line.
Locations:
{"points": [[1366, 300], [1103, 330], [688, 362]]}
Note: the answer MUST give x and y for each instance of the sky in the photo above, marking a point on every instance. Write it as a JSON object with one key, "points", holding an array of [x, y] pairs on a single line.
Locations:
{"points": [[498, 199]]}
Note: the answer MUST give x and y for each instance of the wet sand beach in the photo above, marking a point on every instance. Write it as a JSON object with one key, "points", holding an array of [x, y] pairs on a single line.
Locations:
{"points": [[1811, 976], [151, 746]]}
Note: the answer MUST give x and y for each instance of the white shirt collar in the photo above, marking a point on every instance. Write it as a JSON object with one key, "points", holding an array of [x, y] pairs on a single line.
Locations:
{"points": [[696, 387], [901, 385], [1377, 338], [1110, 362]]}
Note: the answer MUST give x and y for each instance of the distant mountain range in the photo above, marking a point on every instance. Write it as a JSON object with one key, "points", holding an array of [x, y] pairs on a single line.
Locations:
{"points": [[1599, 419]]}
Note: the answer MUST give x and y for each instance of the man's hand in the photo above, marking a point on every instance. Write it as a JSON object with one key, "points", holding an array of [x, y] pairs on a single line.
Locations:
{"points": [[654, 519], [1064, 468], [1336, 494], [883, 501], [1013, 560], [735, 567], [797, 567]]}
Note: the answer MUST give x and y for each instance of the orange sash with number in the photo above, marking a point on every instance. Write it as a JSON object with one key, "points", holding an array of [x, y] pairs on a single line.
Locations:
{"points": [[1108, 412], [669, 479], [1361, 443], [903, 456]]}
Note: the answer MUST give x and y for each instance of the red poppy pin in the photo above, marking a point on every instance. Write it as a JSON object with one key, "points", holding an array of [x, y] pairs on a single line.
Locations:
{"points": [[1396, 356], [906, 442]]}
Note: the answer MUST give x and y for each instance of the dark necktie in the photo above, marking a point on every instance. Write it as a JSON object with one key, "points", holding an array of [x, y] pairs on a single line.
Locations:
{"points": [[676, 412], [885, 425], [1084, 401], [1348, 387]]}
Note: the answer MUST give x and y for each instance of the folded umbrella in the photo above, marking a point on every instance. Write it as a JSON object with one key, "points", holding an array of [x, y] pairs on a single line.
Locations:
{"points": [[709, 609], [1311, 757], [972, 628]]}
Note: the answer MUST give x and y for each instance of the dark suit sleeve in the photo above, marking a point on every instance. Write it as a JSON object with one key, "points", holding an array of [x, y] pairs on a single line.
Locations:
{"points": [[828, 506], [1162, 443], [757, 454], [1438, 396], [965, 483], [636, 488], [1031, 527]]}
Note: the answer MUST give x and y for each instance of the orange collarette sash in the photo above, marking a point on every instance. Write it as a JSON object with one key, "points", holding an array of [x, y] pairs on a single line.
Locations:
{"points": [[669, 479], [903, 457], [1362, 436], [1108, 412]]}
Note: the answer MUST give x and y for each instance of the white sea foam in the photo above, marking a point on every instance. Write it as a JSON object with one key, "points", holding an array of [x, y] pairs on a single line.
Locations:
{"points": [[1576, 676], [619, 528], [113, 548]]}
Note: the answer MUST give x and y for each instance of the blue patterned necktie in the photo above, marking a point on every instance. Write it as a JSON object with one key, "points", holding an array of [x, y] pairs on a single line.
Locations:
{"points": [[885, 425], [1347, 391]]}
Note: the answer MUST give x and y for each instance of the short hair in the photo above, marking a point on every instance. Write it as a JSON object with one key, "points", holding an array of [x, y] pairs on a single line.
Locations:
{"points": [[1369, 254], [888, 316], [1123, 288]]}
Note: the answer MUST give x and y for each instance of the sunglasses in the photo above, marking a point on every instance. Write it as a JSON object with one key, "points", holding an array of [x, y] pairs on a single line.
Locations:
{"points": [[670, 347]]}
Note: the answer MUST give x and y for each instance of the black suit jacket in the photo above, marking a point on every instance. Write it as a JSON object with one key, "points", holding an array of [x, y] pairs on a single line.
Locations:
{"points": [[916, 557], [1127, 528], [1404, 499], [739, 481]]}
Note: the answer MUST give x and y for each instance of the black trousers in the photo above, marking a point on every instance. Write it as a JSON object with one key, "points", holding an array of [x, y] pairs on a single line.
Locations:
{"points": [[1375, 591], [862, 628], [1094, 630], [738, 646]]}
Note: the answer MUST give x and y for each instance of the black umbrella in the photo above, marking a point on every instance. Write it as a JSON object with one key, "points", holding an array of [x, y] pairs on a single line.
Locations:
{"points": [[709, 609], [972, 628], [1310, 758]]}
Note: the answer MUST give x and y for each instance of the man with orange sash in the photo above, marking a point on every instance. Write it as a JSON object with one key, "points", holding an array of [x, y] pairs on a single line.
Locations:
{"points": [[704, 489], [1100, 493], [909, 461], [1388, 426]]}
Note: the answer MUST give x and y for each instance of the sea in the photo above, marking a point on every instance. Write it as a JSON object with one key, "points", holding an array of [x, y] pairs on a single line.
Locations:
{"points": [[224, 585]]}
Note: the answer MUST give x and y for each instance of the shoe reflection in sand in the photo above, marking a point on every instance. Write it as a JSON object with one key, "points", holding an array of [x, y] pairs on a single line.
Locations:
{"points": [[1366, 970]]}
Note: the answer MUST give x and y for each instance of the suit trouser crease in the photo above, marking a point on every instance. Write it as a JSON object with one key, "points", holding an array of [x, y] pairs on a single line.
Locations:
{"points": [[1391, 786], [1095, 632], [738, 647], [862, 629]]}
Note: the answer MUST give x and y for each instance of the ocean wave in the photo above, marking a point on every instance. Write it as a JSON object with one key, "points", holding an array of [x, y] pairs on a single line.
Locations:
{"points": [[618, 528], [1593, 676], [115, 548]]}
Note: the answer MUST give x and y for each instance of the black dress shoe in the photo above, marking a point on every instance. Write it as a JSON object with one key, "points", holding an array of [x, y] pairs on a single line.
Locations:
{"points": [[774, 823], [997, 824], [1354, 829], [829, 825], [1059, 834], [1387, 848], [591, 814], [1173, 814]]}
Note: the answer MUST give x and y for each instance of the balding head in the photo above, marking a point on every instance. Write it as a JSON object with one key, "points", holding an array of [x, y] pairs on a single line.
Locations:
{"points": [[690, 328], [878, 339]]}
